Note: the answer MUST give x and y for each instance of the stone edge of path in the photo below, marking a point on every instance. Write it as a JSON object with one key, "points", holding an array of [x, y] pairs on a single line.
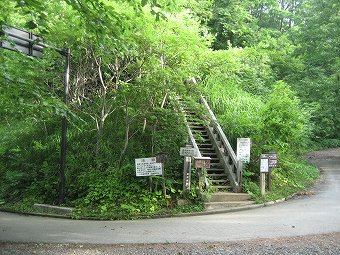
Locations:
{"points": [[226, 210]]}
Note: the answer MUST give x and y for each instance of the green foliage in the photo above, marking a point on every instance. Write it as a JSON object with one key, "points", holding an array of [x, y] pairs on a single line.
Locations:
{"points": [[286, 123], [28, 166], [317, 38], [292, 176]]}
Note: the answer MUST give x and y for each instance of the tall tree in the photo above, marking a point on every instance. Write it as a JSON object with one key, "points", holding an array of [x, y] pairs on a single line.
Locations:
{"points": [[318, 38]]}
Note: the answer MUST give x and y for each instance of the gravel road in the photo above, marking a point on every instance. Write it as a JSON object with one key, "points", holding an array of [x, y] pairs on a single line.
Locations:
{"points": [[315, 244]]}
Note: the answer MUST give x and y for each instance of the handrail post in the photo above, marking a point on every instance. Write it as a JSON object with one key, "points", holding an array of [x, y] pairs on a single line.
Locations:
{"points": [[240, 173]]}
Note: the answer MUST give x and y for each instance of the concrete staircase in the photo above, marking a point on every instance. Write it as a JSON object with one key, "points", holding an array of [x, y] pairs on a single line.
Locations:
{"points": [[225, 195], [222, 200]]}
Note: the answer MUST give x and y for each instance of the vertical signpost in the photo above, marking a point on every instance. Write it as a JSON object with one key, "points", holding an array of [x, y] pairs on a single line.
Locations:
{"points": [[268, 161], [201, 163], [161, 158], [272, 162], [187, 152], [32, 45], [264, 168]]}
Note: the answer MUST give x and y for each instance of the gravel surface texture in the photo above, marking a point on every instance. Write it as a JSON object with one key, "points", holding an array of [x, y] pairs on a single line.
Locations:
{"points": [[314, 244]]}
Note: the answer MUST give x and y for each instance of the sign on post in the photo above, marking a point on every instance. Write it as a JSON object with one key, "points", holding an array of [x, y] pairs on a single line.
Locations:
{"points": [[273, 159], [187, 152], [23, 41], [202, 162], [272, 162], [264, 166], [148, 167], [243, 149]]}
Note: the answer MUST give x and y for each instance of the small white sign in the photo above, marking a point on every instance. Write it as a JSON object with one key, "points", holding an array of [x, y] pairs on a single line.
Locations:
{"points": [[243, 149], [264, 167], [187, 152], [147, 167]]}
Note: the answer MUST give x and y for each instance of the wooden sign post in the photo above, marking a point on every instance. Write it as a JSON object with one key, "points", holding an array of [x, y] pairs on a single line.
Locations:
{"points": [[188, 152], [273, 162], [200, 164]]}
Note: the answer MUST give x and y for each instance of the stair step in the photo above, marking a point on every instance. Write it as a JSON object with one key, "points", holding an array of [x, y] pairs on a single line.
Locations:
{"points": [[219, 181], [217, 175], [209, 149], [209, 153], [206, 154], [205, 138], [223, 205], [196, 126], [222, 188], [214, 164], [228, 196], [215, 170], [200, 131], [205, 145]]}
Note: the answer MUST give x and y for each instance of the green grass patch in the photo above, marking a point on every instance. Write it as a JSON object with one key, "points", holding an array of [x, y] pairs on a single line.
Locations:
{"points": [[293, 176]]}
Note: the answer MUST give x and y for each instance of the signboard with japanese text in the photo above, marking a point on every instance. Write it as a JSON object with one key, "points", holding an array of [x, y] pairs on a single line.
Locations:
{"points": [[243, 149], [273, 159], [202, 162], [187, 152], [148, 167]]}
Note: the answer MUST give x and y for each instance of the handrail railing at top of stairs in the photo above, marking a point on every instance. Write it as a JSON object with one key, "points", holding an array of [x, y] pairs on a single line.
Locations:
{"points": [[194, 145], [225, 143]]}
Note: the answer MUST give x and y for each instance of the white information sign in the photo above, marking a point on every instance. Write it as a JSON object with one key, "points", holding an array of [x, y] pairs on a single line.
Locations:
{"points": [[243, 149], [264, 167], [147, 167], [187, 152]]}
